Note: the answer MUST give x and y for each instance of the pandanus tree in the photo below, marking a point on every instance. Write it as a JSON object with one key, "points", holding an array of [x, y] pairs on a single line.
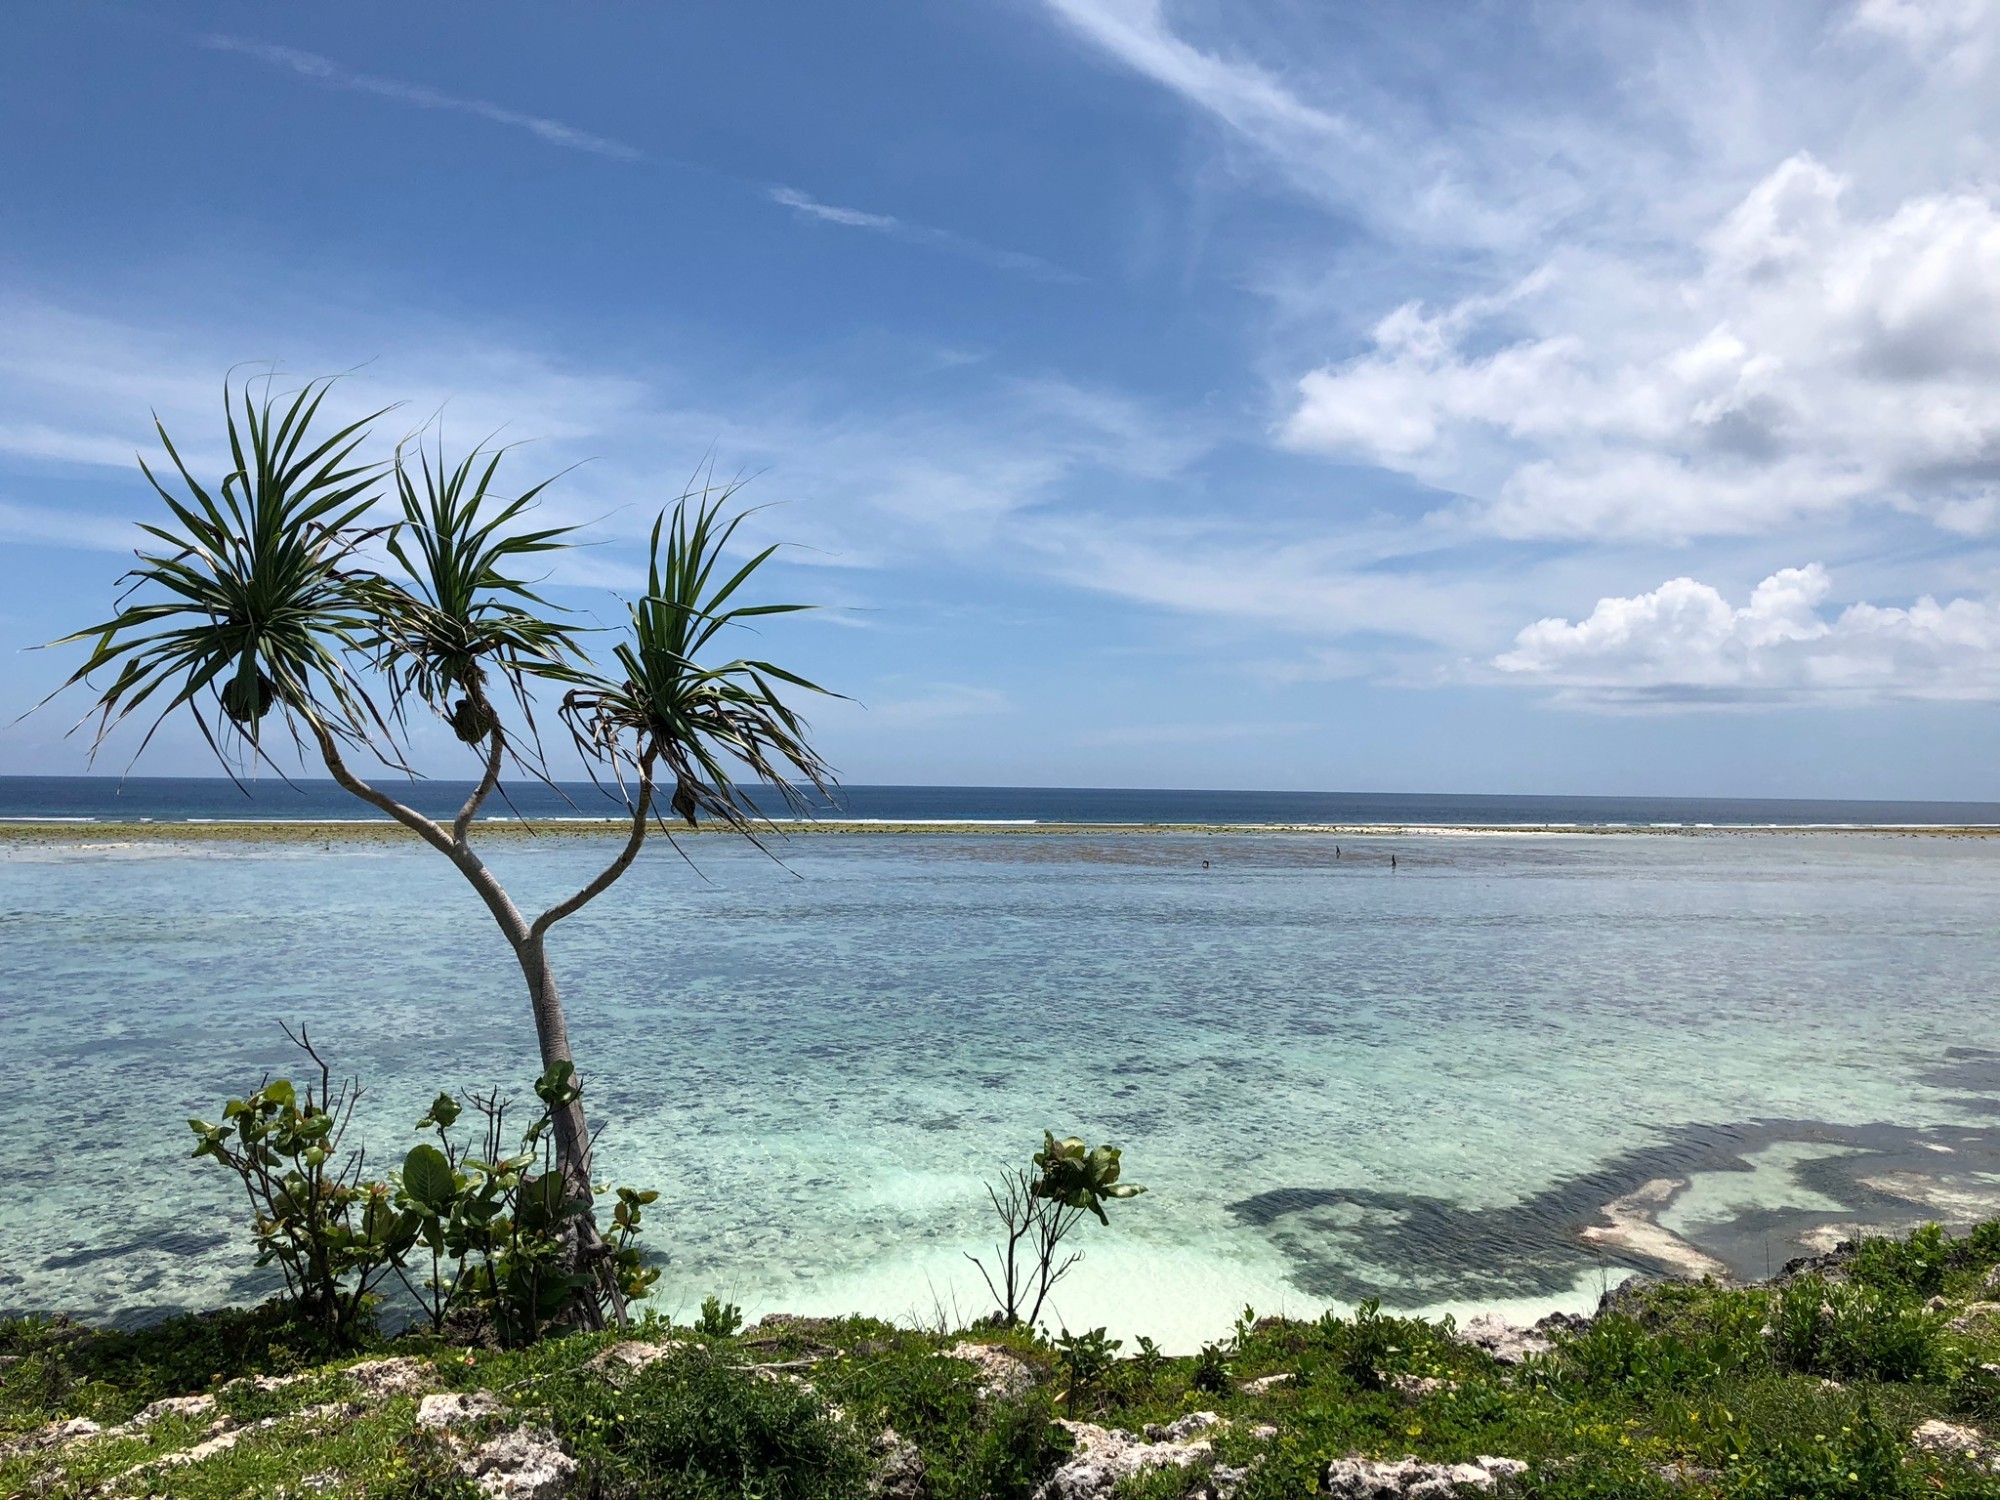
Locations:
{"points": [[337, 598]]}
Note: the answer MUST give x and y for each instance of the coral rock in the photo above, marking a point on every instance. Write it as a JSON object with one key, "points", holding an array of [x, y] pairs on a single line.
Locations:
{"points": [[1106, 1456], [389, 1377], [630, 1357], [457, 1408], [1413, 1479], [1506, 1342], [1948, 1441], [899, 1468], [522, 1465], [1001, 1373], [173, 1406]]}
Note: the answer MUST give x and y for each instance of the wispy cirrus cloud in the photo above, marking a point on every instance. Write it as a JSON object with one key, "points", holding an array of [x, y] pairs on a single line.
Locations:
{"points": [[917, 234], [325, 70]]}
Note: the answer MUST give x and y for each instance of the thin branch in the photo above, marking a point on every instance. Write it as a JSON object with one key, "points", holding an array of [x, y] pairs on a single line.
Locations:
{"points": [[409, 817], [641, 810]]}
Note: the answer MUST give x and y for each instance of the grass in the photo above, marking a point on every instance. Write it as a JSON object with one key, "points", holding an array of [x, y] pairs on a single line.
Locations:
{"points": [[1809, 1389]]}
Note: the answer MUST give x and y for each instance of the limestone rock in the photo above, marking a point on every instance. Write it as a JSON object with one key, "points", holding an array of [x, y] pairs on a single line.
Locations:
{"points": [[54, 1435], [1973, 1312], [173, 1406], [403, 1376], [222, 1442], [1182, 1429], [1413, 1479], [457, 1408], [1686, 1475], [624, 1360], [1949, 1441], [1001, 1374], [1265, 1383], [1991, 1285], [1104, 1456], [524, 1464], [1506, 1342], [1415, 1388], [899, 1468]]}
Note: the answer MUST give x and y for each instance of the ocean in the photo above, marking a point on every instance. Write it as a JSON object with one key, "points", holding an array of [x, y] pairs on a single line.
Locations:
{"points": [[180, 799], [1338, 1076]]}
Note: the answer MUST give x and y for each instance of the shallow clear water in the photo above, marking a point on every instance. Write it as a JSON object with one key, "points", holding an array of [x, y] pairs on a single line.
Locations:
{"points": [[819, 1063]]}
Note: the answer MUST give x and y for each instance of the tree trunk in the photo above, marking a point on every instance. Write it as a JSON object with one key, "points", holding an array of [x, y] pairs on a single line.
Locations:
{"points": [[529, 943]]}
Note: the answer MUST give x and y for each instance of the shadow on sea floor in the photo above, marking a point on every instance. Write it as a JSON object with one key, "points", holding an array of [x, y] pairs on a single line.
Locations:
{"points": [[1801, 1186]]}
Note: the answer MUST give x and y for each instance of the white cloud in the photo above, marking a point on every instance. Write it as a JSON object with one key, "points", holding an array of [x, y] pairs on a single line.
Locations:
{"points": [[44, 523], [325, 70], [931, 705], [1337, 138], [1817, 360], [853, 218], [1958, 34], [1685, 644], [917, 234]]}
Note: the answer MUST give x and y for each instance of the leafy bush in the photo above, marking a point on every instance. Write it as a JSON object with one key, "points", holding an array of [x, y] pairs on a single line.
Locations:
{"points": [[334, 1236], [501, 1230], [1086, 1359], [1849, 1329], [1862, 1460], [1018, 1447], [693, 1426], [1211, 1369], [718, 1319], [1368, 1347], [1915, 1265]]}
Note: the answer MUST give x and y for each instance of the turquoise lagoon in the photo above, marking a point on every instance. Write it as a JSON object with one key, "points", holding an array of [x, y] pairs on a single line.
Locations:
{"points": [[1337, 1079]]}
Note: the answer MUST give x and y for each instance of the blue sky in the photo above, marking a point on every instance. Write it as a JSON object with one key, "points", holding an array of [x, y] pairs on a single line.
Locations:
{"points": [[1456, 397]]}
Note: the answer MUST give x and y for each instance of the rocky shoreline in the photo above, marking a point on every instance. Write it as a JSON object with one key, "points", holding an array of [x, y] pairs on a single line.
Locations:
{"points": [[1369, 1407]]}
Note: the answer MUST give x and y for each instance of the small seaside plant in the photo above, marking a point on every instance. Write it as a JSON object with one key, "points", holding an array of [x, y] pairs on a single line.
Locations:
{"points": [[334, 1236], [1038, 1207], [497, 1229]]}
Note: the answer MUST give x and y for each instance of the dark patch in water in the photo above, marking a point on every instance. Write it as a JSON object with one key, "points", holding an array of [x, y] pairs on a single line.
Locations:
{"points": [[1409, 1250], [1974, 1069], [185, 1242]]}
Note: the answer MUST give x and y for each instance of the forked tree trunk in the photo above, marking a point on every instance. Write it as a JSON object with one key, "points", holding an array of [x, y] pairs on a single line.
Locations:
{"points": [[528, 939]]}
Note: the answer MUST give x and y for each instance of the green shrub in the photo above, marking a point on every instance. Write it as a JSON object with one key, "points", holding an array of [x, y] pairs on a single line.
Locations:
{"points": [[333, 1235], [1086, 1359], [1915, 1265], [694, 1427], [1851, 1329], [1211, 1369], [1017, 1447], [718, 1319], [1368, 1347], [1861, 1460]]}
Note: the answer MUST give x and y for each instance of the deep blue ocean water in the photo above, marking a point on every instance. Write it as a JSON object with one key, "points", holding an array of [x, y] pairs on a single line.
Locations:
{"points": [[1337, 1075], [176, 799]]}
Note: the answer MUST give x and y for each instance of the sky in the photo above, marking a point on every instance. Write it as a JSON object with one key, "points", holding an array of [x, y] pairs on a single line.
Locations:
{"points": [[1464, 397]]}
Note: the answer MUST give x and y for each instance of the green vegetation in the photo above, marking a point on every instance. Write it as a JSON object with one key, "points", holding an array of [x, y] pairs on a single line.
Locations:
{"points": [[496, 1229], [266, 599], [1038, 1207], [1806, 1390]]}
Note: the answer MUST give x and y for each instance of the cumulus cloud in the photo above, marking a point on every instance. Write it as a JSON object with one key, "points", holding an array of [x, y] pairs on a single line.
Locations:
{"points": [[1684, 643], [1819, 359]]}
